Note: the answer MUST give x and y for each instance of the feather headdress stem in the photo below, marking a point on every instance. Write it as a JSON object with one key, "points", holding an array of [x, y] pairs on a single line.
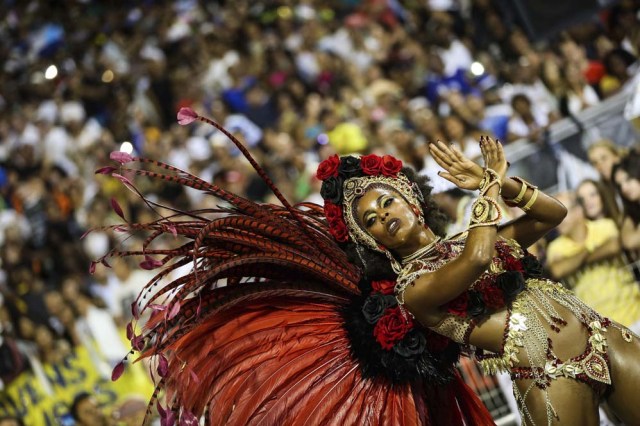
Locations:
{"points": [[186, 115]]}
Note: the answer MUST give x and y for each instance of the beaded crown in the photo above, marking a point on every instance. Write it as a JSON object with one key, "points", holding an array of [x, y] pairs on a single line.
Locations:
{"points": [[348, 178]]}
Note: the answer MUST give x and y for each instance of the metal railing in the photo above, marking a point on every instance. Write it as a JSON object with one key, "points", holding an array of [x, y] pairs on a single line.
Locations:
{"points": [[560, 162]]}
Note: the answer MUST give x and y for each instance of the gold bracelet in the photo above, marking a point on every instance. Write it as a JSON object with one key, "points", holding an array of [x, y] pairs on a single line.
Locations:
{"points": [[489, 178], [523, 190], [520, 196], [482, 210], [531, 201]]}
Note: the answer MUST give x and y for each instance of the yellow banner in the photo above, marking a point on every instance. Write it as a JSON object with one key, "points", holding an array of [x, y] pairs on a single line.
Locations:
{"points": [[26, 397]]}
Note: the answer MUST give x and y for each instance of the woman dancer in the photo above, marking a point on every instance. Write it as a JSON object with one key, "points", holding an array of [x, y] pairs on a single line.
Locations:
{"points": [[274, 325], [482, 288]]}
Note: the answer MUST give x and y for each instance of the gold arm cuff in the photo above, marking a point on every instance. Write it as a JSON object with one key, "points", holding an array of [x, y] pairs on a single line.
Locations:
{"points": [[523, 190], [520, 196], [532, 200]]}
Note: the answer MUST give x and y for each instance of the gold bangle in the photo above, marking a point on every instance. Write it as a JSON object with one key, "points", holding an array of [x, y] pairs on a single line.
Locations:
{"points": [[531, 201], [520, 196], [523, 190]]}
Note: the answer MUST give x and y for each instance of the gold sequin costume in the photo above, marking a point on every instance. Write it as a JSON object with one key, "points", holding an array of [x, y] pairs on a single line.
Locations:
{"points": [[524, 329]]}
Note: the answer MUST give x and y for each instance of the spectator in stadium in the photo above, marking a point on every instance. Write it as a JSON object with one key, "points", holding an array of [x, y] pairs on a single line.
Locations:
{"points": [[596, 203], [86, 412], [11, 421], [588, 258], [618, 65], [626, 177], [525, 122], [575, 93]]}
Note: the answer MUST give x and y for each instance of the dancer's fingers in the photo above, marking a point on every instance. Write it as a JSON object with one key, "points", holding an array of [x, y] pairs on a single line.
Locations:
{"points": [[500, 151], [450, 178], [446, 149], [440, 155], [457, 153], [483, 150], [491, 149]]}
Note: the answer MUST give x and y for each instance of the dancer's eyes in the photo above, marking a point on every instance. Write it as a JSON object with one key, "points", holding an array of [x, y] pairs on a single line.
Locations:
{"points": [[371, 219]]}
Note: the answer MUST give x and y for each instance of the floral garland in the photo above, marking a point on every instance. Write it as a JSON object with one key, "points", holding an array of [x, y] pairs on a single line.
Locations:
{"points": [[389, 343], [334, 171], [492, 292]]}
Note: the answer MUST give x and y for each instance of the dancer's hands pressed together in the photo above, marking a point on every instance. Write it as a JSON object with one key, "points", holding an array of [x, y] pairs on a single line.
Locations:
{"points": [[463, 172]]}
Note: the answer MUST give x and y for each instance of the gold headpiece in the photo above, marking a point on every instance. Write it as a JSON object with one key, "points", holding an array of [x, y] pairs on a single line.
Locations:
{"points": [[356, 187]]}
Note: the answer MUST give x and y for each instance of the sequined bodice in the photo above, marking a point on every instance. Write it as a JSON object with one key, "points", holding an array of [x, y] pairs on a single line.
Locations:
{"points": [[494, 289]]}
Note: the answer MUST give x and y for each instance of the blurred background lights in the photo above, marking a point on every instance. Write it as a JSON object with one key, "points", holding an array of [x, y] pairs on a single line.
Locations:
{"points": [[477, 68], [107, 76], [323, 139], [285, 12], [126, 147], [51, 72]]}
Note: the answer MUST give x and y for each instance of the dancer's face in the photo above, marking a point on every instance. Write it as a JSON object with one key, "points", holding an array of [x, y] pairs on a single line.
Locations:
{"points": [[629, 187], [387, 217]]}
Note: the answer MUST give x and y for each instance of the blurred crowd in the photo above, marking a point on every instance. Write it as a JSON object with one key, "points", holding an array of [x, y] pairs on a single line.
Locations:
{"points": [[296, 81]]}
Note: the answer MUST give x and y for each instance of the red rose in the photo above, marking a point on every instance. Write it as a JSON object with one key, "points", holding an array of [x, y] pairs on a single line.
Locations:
{"points": [[492, 296], [328, 168], [390, 166], [370, 164], [458, 306], [392, 327], [436, 342], [332, 212], [510, 263], [383, 286], [339, 231]]}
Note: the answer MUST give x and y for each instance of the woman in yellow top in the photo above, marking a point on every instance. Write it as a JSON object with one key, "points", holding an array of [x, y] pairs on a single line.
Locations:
{"points": [[588, 257]]}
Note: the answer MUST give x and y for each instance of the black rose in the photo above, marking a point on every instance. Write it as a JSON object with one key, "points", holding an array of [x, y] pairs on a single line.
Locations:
{"points": [[365, 286], [532, 266], [511, 283], [375, 305], [412, 344], [476, 305], [350, 167], [332, 190]]}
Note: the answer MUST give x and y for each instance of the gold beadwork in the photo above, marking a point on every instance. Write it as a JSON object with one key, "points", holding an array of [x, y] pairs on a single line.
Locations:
{"points": [[454, 327], [485, 212], [420, 252], [489, 178]]}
